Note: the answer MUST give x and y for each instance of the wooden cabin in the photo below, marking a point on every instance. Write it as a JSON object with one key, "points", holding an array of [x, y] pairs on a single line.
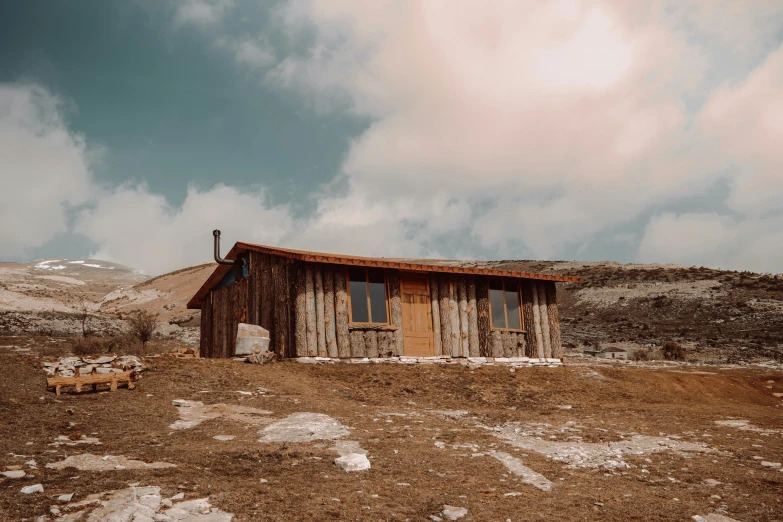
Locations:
{"points": [[329, 305]]}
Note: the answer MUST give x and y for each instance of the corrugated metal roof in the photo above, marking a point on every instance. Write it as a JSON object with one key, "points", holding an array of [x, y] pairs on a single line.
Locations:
{"points": [[491, 268]]}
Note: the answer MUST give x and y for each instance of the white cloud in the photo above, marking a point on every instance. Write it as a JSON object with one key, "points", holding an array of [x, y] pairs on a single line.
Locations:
{"points": [[200, 12], [709, 239], [143, 230], [44, 168], [567, 117], [252, 52]]}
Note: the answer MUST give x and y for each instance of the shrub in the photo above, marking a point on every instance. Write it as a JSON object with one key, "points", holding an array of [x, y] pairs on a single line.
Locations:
{"points": [[672, 351], [143, 325], [640, 355], [95, 345]]}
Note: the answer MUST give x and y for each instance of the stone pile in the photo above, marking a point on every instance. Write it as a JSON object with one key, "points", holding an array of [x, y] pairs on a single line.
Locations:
{"points": [[472, 362], [71, 366]]}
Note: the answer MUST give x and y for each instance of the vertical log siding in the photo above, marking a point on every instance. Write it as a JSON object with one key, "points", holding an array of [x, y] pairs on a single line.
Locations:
{"points": [[305, 308]]}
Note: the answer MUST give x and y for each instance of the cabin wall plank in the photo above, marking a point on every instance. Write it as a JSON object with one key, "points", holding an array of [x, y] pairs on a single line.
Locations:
{"points": [[527, 318], [473, 337], [445, 313], [358, 348], [462, 297], [482, 316], [436, 330], [497, 344], [554, 319], [537, 324], [320, 324], [456, 348], [341, 314], [312, 334], [395, 302], [544, 318], [371, 343], [329, 314], [300, 310]]}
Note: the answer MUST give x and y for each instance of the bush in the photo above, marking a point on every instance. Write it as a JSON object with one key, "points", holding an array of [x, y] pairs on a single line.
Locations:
{"points": [[640, 355], [96, 345], [143, 325], [672, 351]]}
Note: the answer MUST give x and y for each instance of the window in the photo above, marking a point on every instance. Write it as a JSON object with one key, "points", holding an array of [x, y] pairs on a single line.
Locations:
{"points": [[367, 295], [504, 304]]}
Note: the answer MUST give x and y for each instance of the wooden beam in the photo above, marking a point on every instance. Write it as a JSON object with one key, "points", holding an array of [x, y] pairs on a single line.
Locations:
{"points": [[312, 334], [433, 281], [357, 344], [537, 325], [554, 319], [329, 315], [371, 343], [497, 344], [445, 316], [544, 319], [395, 302], [341, 315], [482, 317], [527, 318], [456, 347], [473, 336], [462, 296], [300, 311], [320, 313]]}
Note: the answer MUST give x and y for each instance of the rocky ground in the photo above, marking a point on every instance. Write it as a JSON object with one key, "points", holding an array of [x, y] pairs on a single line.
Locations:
{"points": [[215, 438], [64, 297]]}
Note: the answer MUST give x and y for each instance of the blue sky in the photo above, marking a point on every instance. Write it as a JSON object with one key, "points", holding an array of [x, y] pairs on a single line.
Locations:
{"points": [[568, 130]]}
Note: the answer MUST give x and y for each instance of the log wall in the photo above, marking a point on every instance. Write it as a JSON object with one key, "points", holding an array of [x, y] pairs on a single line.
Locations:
{"points": [[305, 308]]}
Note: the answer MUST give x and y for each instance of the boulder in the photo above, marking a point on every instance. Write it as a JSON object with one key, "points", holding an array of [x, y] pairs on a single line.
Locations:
{"points": [[453, 512], [353, 462], [251, 339], [35, 488]]}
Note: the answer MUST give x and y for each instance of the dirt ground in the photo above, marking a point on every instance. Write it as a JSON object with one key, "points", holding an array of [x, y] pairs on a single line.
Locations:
{"points": [[421, 457]]}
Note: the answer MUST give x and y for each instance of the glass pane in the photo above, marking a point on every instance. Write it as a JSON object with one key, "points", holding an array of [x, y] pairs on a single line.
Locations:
{"points": [[512, 305], [377, 296], [496, 308], [358, 290]]}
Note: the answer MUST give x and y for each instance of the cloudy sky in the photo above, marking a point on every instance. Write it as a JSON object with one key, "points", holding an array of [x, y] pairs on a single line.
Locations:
{"points": [[633, 131]]}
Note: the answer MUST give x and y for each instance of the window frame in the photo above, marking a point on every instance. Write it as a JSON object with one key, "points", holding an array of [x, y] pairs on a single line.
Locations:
{"points": [[518, 284], [366, 269]]}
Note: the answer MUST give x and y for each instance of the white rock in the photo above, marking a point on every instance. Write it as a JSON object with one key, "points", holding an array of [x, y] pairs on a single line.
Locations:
{"points": [[453, 513], [353, 462], [17, 473], [100, 360], [770, 464], [711, 482], [178, 496], [224, 437], [35, 488], [65, 498]]}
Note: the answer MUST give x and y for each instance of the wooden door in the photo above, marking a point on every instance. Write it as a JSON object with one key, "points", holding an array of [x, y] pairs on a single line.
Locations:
{"points": [[416, 315]]}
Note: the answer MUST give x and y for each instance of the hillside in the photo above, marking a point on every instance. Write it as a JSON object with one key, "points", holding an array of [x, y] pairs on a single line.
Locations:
{"points": [[717, 313], [49, 296]]}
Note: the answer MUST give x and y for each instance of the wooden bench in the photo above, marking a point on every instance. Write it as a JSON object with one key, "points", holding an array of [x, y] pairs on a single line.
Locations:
{"points": [[94, 379]]}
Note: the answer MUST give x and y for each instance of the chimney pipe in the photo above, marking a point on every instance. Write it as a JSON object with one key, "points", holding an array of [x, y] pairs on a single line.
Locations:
{"points": [[220, 260]]}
